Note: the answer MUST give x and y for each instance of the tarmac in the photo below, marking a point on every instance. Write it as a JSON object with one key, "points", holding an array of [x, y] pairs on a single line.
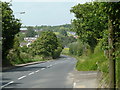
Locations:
{"points": [[85, 79]]}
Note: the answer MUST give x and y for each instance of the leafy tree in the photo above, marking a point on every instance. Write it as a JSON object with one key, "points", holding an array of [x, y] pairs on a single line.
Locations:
{"points": [[89, 23], [63, 31], [113, 12], [46, 45], [10, 27], [31, 32]]}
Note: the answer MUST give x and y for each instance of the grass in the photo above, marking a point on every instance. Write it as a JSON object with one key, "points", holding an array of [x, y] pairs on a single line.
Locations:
{"points": [[86, 64], [65, 51], [92, 62], [57, 33]]}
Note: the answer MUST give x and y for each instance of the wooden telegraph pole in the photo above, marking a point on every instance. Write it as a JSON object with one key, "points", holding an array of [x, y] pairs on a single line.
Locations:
{"points": [[112, 75]]}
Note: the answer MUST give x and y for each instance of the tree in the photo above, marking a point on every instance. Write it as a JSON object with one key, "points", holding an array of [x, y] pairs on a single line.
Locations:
{"points": [[46, 45], [10, 27], [89, 23], [63, 31], [113, 12], [31, 32]]}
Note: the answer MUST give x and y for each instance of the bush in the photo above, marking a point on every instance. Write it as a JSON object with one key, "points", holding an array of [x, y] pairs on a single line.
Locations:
{"points": [[47, 45], [76, 48], [14, 57], [57, 52]]}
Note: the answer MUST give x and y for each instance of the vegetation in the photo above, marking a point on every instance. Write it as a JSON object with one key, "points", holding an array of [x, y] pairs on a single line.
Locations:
{"points": [[97, 48], [47, 45], [10, 27], [30, 32], [98, 23]]}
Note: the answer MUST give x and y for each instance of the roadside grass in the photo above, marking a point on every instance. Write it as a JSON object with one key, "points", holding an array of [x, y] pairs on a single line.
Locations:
{"points": [[65, 51], [57, 33], [91, 62], [28, 59]]}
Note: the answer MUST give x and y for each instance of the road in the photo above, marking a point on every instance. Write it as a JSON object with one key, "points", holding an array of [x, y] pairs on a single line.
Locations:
{"points": [[51, 74]]}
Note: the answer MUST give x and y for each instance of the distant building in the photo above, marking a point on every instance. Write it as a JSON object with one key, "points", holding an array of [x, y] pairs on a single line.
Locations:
{"points": [[23, 44], [30, 39], [23, 30], [72, 33]]}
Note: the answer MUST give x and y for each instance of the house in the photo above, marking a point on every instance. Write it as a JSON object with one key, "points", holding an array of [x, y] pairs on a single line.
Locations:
{"points": [[23, 44], [30, 39], [23, 30]]}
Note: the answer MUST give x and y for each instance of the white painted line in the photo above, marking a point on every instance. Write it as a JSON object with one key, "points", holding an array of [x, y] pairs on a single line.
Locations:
{"points": [[50, 65], [37, 71], [88, 74], [74, 84], [42, 68], [31, 73], [7, 84], [21, 77]]}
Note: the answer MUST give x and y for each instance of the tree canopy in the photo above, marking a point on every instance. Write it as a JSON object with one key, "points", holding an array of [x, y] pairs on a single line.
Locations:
{"points": [[89, 23], [46, 44], [10, 27]]}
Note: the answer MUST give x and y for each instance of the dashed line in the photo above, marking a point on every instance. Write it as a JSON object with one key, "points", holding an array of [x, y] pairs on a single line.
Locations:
{"points": [[42, 68], [74, 84], [21, 77], [37, 71], [31, 73], [7, 84], [50, 65]]}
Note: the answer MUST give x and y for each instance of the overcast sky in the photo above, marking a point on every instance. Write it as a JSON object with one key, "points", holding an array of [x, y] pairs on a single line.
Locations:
{"points": [[44, 12]]}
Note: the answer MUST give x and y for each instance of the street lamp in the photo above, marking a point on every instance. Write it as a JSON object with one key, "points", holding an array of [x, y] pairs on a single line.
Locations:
{"points": [[19, 13]]}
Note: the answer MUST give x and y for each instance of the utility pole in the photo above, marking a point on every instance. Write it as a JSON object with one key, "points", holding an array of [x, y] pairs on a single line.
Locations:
{"points": [[112, 69]]}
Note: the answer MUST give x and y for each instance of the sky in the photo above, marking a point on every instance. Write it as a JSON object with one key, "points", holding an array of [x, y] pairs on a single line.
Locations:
{"points": [[44, 12]]}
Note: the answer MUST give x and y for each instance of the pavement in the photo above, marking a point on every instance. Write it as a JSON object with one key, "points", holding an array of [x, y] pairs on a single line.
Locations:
{"points": [[85, 79], [59, 73]]}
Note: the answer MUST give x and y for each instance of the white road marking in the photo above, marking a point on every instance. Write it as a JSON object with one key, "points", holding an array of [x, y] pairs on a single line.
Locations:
{"points": [[50, 65], [31, 73], [88, 74], [21, 77], [74, 84], [7, 84], [42, 68], [37, 71]]}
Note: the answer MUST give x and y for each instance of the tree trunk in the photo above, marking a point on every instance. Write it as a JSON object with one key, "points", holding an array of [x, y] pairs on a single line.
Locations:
{"points": [[112, 82]]}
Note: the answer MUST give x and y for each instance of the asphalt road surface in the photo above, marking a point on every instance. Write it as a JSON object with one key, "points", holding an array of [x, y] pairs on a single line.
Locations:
{"points": [[51, 74]]}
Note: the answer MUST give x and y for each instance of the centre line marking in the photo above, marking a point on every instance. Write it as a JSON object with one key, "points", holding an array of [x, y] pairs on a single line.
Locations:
{"points": [[7, 84], [42, 68], [37, 71], [74, 84], [21, 77], [50, 65], [31, 73]]}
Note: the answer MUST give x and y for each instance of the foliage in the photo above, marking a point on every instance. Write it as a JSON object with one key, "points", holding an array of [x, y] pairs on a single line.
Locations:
{"points": [[10, 27], [100, 21], [78, 48], [30, 32], [63, 31], [46, 45], [21, 37], [14, 53], [65, 51], [66, 40], [95, 61], [89, 23]]}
